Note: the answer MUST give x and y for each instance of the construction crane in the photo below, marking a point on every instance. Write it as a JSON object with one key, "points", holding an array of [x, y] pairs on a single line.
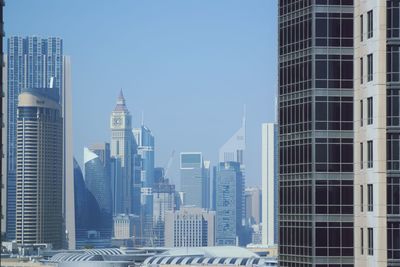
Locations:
{"points": [[171, 158]]}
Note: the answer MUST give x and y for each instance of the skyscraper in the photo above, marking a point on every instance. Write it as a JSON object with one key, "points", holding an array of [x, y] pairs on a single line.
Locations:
{"points": [[269, 169], [252, 205], [190, 227], [233, 151], [377, 133], [98, 174], [145, 148], [193, 179], [316, 133], [122, 147], [39, 181], [229, 208], [164, 199], [35, 62]]}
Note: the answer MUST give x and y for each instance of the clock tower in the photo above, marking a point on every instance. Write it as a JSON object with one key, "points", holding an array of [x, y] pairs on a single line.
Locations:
{"points": [[122, 150]]}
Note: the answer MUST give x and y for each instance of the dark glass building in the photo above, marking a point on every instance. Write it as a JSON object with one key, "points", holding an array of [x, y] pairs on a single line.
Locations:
{"points": [[316, 133]]}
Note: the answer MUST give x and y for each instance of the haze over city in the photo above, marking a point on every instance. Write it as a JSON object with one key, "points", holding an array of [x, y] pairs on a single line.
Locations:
{"points": [[189, 66]]}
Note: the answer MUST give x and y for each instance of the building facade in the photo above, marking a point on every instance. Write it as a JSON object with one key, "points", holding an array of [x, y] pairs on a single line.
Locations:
{"points": [[377, 133], [316, 215], [34, 62], [190, 227], [193, 180], [122, 149], [253, 201], [39, 182], [229, 208], [269, 172]]}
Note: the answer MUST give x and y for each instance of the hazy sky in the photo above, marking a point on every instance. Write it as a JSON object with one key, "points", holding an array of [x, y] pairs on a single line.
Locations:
{"points": [[189, 65]]}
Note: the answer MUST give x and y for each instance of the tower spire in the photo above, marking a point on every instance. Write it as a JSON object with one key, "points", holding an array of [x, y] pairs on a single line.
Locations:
{"points": [[121, 105]]}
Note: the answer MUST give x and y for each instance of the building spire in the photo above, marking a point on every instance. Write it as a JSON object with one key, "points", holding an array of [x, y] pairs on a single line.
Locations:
{"points": [[121, 105]]}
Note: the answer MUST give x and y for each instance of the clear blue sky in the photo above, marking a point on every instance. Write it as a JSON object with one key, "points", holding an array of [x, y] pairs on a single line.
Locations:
{"points": [[189, 65]]}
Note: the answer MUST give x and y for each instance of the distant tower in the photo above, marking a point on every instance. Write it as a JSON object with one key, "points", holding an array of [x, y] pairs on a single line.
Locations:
{"points": [[122, 149], [193, 179], [39, 182], [229, 199]]}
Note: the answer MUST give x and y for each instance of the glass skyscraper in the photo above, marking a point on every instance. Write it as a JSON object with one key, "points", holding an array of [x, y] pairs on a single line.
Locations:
{"points": [[316, 214], [39, 176], [229, 199], [193, 178], [32, 62]]}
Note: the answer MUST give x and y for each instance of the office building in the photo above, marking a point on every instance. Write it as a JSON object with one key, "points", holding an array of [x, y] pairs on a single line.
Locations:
{"points": [[269, 172], [98, 174], [252, 197], [39, 181], [145, 148], [189, 227], [377, 133], [126, 226], [35, 62], [316, 222], [229, 208], [233, 151], [193, 179], [90, 226], [122, 149], [3, 116], [165, 198]]}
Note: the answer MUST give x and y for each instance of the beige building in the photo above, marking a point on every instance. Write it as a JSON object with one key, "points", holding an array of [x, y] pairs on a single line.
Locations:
{"points": [[190, 227], [39, 168], [377, 133]]}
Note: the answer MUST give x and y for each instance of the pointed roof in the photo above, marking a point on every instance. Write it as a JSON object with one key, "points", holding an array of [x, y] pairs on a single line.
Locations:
{"points": [[121, 105]]}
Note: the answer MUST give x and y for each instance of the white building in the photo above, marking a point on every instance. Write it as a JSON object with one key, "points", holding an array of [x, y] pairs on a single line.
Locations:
{"points": [[269, 173], [189, 227]]}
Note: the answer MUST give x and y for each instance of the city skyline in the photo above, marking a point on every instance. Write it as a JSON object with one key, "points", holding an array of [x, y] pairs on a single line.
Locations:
{"points": [[241, 64]]}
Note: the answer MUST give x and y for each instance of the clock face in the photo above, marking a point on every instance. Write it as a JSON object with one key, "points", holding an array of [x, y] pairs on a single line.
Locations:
{"points": [[117, 122]]}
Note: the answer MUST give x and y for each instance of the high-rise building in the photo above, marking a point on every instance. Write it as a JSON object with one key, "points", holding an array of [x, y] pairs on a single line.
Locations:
{"points": [[126, 226], [89, 218], [145, 148], [190, 227], [3, 116], [316, 221], [144, 140], [269, 172], [377, 133], [39, 181], [193, 178], [229, 208], [34, 62], [164, 199], [252, 205], [98, 174], [122, 149], [233, 151]]}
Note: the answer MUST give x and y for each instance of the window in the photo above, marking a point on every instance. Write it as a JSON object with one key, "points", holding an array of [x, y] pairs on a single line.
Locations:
{"points": [[362, 241], [370, 24], [370, 107], [370, 241], [361, 198], [362, 28], [370, 154], [370, 197], [361, 113], [361, 156], [361, 70], [370, 67]]}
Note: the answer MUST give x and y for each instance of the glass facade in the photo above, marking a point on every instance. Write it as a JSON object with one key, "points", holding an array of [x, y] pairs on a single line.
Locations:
{"points": [[31, 63], [316, 133], [229, 211]]}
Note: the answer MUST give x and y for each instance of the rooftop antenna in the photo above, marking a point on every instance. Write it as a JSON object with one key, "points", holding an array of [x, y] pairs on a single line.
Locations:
{"points": [[142, 118], [244, 116]]}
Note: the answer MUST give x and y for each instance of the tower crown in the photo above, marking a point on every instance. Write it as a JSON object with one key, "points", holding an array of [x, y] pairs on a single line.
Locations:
{"points": [[121, 105]]}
